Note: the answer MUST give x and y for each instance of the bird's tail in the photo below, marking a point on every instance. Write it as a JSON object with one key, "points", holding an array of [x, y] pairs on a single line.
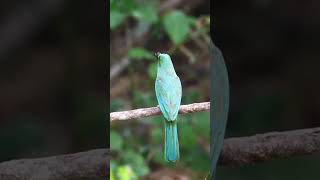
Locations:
{"points": [[171, 147]]}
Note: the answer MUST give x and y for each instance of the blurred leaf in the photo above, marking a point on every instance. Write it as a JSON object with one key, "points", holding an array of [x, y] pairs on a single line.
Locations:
{"points": [[125, 173], [188, 137], [111, 175], [129, 5], [136, 161], [146, 13], [152, 70], [116, 18], [113, 164], [116, 105], [192, 20], [157, 135], [198, 159], [159, 156], [140, 53], [177, 25], [144, 99], [113, 5], [201, 121], [190, 96], [116, 141]]}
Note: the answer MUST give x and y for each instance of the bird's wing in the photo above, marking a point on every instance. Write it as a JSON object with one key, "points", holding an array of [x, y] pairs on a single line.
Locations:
{"points": [[168, 92]]}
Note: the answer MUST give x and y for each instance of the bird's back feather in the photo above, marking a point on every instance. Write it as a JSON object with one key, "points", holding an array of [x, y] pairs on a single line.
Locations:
{"points": [[168, 91]]}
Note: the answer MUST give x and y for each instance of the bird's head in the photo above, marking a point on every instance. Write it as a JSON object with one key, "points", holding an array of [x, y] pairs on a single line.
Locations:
{"points": [[164, 62], [163, 58]]}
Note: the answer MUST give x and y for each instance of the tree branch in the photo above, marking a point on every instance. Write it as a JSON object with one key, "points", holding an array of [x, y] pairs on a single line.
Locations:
{"points": [[91, 164], [236, 151], [272, 145], [152, 111]]}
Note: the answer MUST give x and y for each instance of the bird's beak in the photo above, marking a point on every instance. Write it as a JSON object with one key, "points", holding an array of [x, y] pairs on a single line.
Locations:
{"points": [[157, 55]]}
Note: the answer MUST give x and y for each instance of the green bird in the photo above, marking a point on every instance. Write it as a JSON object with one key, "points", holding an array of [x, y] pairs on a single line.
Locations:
{"points": [[168, 91]]}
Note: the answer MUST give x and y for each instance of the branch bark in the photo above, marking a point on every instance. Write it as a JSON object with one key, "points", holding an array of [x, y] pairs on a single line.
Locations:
{"points": [[152, 111], [91, 164], [268, 146], [236, 152]]}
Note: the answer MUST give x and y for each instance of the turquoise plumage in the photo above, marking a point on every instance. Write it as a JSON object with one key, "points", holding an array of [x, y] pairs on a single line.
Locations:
{"points": [[168, 92]]}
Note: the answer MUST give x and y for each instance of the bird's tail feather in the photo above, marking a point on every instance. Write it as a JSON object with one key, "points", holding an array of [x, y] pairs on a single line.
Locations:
{"points": [[171, 149]]}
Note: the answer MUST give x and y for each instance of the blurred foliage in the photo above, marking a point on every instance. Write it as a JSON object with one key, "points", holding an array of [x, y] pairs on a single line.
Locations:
{"points": [[138, 149], [121, 10], [177, 25], [139, 144], [140, 53]]}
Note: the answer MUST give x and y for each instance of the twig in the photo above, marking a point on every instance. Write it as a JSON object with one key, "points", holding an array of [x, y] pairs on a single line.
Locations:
{"points": [[152, 111], [236, 152], [116, 69], [188, 53]]}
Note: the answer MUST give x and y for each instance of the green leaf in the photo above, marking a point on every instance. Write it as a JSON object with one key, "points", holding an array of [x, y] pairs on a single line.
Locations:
{"points": [[152, 70], [140, 53], [116, 18], [126, 173], [177, 25], [129, 5], [115, 141], [147, 14], [192, 20], [112, 175], [136, 161], [202, 124], [159, 156]]}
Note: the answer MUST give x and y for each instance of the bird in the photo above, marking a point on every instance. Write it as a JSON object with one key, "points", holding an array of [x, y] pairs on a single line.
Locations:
{"points": [[168, 92]]}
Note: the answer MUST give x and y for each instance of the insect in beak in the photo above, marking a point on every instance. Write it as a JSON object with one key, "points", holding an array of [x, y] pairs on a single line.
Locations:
{"points": [[157, 54]]}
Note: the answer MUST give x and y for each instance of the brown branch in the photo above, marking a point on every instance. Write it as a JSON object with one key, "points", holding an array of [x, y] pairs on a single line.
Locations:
{"points": [[236, 151], [272, 145], [153, 111], [91, 164]]}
